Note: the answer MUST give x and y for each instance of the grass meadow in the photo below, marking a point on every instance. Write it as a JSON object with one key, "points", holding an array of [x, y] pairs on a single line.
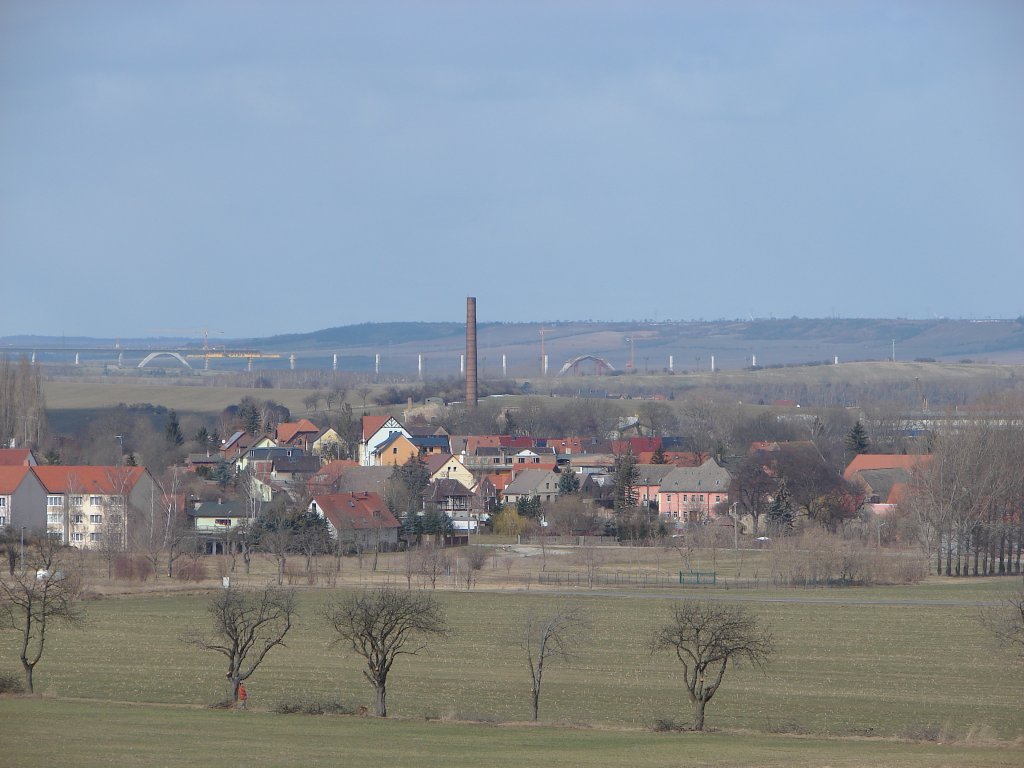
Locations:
{"points": [[867, 675]]}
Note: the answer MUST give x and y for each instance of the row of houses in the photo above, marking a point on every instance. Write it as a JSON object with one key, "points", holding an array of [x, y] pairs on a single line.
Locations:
{"points": [[79, 505]]}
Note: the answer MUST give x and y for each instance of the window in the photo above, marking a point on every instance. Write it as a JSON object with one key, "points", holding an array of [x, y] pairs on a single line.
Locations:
{"points": [[78, 537], [3, 502], [222, 521], [76, 519], [95, 519], [3, 521], [55, 518], [116, 501], [76, 501], [55, 501], [95, 537], [96, 501]]}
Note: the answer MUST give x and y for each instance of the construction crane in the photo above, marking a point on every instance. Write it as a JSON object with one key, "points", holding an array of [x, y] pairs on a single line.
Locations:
{"points": [[208, 352], [920, 395]]}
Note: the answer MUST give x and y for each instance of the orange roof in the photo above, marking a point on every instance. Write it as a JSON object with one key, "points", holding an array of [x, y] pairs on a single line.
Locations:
{"points": [[105, 480], [473, 442], [11, 477], [372, 423], [15, 457], [286, 431], [905, 461], [356, 511], [675, 458]]}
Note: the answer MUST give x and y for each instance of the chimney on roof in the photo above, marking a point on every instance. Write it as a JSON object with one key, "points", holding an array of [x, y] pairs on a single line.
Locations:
{"points": [[471, 383]]}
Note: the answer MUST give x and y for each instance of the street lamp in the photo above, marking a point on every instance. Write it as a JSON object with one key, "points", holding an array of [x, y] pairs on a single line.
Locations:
{"points": [[735, 526], [23, 547], [879, 531]]}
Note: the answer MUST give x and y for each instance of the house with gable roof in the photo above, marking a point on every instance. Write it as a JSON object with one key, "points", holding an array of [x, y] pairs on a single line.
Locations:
{"points": [[298, 434], [395, 450], [542, 483], [691, 494], [446, 466], [22, 499], [86, 505], [17, 457], [376, 430], [357, 520]]}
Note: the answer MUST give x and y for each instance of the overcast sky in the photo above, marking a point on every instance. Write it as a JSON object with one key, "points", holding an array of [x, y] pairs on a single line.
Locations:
{"points": [[272, 167]]}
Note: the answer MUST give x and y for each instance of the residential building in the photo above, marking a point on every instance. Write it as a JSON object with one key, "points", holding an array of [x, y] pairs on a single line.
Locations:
{"points": [[691, 494], [87, 506], [377, 429], [22, 499], [358, 521]]}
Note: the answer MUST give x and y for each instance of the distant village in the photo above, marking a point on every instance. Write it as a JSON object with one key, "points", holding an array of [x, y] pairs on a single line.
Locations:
{"points": [[470, 483]]}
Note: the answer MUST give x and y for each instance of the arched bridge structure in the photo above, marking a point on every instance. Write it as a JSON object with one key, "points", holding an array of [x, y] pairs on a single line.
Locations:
{"points": [[601, 366], [153, 355]]}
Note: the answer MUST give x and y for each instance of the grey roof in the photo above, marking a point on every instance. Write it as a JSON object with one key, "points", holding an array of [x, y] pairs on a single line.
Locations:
{"points": [[529, 481], [653, 474], [881, 481], [363, 480], [220, 509], [707, 478]]}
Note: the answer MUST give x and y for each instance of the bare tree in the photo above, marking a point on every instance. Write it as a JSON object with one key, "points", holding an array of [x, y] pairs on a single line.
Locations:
{"points": [[381, 625], [706, 636], [433, 563], [1005, 622], [476, 559], [247, 624], [557, 635], [45, 590]]}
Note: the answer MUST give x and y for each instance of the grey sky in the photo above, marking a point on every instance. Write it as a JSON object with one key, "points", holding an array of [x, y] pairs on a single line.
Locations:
{"points": [[276, 167]]}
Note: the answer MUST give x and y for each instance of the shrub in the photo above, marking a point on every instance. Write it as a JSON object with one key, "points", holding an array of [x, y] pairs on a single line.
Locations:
{"points": [[668, 725], [11, 682], [191, 571], [313, 707]]}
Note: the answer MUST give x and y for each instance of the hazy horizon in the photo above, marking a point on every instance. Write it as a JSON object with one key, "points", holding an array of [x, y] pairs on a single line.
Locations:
{"points": [[273, 168]]}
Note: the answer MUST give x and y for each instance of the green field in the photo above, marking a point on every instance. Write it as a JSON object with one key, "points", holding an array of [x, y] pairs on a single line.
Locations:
{"points": [[42, 732], [865, 667]]}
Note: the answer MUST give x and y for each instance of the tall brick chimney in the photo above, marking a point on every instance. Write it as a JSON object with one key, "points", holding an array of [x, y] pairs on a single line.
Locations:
{"points": [[471, 383]]}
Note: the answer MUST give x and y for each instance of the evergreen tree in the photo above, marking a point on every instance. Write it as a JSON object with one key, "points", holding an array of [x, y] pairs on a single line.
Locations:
{"points": [[857, 439], [568, 482], [626, 478], [172, 431], [659, 456], [781, 512], [529, 507]]}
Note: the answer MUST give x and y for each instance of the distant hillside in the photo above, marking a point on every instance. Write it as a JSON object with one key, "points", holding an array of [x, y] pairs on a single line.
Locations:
{"points": [[649, 346]]}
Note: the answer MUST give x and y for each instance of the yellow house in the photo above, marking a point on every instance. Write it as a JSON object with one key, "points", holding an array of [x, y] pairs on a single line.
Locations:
{"points": [[397, 449], [448, 467]]}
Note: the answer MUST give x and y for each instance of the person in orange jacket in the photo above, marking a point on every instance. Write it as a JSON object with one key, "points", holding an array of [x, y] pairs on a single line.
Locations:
{"points": [[243, 695]]}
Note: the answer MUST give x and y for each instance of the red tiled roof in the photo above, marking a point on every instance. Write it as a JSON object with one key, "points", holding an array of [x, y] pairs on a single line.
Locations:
{"points": [[14, 457], [105, 480], [864, 461], [356, 511], [638, 444], [11, 477], [372, 423], [286, 431], [473, 442]]}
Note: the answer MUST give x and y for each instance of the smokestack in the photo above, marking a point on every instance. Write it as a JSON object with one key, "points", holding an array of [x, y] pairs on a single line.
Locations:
{"points": [[471, 384]]}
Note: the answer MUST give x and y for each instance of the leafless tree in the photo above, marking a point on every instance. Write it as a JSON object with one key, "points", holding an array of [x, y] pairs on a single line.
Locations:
{"points": [[557, 635], [1005, 622], [706, 637], [247, 624], [44, 591], [383, 624], [433, 563], [476, 559]]}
